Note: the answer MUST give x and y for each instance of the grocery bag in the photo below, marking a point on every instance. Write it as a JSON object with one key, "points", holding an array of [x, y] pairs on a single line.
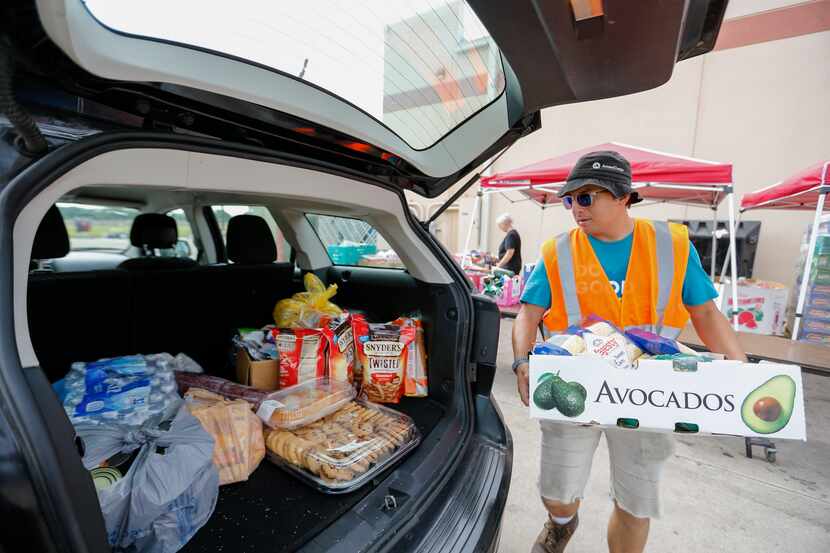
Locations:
{"points": [[171, 488]]}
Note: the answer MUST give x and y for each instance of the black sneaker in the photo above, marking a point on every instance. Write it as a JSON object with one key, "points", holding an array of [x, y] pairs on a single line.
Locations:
{"points": [[554, 537]]}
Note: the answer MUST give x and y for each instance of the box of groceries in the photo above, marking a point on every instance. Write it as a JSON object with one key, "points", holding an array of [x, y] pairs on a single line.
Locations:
{"points": [[598, 375]]}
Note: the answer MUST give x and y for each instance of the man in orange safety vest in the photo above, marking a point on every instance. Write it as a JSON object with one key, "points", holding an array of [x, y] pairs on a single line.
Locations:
{"points": [[633, 273]]}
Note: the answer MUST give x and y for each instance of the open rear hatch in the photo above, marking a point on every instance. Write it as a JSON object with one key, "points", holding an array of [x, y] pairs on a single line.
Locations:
{"points": [[417, 94]]}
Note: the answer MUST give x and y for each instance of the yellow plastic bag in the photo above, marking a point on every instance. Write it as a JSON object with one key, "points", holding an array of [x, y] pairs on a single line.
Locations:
{"points": [[304, 309]]}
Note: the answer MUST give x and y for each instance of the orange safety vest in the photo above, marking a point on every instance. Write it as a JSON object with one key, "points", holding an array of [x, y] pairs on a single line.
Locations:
{"points": [[652, 298]]}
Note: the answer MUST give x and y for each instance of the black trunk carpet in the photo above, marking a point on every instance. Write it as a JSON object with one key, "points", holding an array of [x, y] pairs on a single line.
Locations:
{"points": [[274, 511]]}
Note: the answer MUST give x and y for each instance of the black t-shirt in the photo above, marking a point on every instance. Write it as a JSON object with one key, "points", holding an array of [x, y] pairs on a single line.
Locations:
{"points": [[512, 241]]}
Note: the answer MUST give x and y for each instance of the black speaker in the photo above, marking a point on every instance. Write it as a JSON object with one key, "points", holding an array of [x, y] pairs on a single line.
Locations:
{"points": [[747, 235]]}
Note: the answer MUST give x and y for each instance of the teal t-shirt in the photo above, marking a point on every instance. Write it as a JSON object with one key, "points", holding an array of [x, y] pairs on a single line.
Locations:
{"points": [[614, 256]]}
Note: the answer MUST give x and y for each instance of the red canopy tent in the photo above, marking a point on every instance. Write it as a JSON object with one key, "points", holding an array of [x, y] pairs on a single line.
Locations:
{"points": [[656, 176], [807, 191]]}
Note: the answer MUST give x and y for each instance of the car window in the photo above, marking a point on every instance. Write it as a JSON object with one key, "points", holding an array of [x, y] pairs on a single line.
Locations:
{"points": [[420, 67], [354, 242], [224, 213], [98, 228], [186, 246]]}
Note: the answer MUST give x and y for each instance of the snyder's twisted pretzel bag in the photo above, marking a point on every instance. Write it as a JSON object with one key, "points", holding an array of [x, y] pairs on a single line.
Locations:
{"points": [[382, 354]]}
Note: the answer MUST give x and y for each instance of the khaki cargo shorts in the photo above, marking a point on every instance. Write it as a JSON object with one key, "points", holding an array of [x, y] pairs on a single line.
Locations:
{"points": [[637, 460]]}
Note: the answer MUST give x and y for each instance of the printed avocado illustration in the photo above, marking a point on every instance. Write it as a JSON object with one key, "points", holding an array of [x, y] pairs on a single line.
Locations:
{"points": [[543, 395], [768, 408], [554, 393]]}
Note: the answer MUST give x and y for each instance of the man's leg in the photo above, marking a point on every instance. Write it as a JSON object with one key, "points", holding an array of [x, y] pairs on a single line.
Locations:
{"points": [[637, 460], [567, 453], [626, 533]]}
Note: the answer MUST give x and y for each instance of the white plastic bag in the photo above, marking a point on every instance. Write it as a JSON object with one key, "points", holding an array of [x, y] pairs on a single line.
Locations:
{"points": [[171, 488]]}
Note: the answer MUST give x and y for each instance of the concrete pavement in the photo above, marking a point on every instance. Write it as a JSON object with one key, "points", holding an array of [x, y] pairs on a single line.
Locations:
{"points": [[715, 499]]}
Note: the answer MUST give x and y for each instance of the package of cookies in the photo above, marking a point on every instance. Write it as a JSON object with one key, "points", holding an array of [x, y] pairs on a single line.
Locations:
{"points": [[304, 403], [346, 449]]}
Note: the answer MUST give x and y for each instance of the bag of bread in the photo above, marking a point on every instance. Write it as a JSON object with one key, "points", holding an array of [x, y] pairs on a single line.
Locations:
{"points": [[382, 350], [235, 429]]}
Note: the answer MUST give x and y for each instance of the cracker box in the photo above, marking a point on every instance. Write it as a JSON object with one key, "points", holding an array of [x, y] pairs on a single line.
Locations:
{"points": [[716, 397]]}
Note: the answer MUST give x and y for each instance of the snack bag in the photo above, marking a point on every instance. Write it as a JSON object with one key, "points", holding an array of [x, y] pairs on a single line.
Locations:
{"points": [[339, 337], [382, 350], [415, 377], [302, 354], [304, 309], [652, 343], [360, 327], [605, 341], [236, 430]]}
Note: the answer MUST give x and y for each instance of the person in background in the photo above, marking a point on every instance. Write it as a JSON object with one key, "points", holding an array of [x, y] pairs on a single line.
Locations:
{"points": [[510, 249], [633, 273]]}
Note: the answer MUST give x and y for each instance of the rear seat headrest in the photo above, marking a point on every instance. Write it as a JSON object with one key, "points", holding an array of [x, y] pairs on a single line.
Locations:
{"points": [[51, 238], [250, 240], [154, 230]]}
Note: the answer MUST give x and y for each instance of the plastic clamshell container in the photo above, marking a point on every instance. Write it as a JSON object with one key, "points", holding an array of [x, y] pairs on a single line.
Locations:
{"points": [[304, 403], [345, 450]]}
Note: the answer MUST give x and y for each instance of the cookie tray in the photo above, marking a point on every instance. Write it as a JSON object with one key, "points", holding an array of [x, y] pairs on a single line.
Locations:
{"points": [[343, 451]]}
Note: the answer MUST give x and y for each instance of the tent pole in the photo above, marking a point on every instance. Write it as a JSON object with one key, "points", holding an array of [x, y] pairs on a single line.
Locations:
{"points": [[733, 258], [714, 242], [470, 229], [808, 263]]}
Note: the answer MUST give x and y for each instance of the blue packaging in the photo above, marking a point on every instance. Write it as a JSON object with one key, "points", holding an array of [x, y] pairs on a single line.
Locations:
{"points": [[652, 343], [545, 348]]}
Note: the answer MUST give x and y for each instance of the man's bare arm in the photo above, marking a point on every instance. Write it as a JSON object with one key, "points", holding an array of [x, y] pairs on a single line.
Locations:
{"points": [[508, 255], [525, 330], [715, 330]]}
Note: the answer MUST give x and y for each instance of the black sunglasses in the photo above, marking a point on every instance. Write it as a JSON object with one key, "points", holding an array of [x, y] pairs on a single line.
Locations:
{"points": [[584, 199]]}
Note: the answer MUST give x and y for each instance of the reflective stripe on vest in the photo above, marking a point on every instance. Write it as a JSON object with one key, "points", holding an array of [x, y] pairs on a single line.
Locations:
{"points": [[568, 279], [665, 267]]}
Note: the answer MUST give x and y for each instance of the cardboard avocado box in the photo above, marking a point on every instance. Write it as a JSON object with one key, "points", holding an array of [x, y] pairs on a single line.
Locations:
{"points": [[717, 397], [262, 375]]}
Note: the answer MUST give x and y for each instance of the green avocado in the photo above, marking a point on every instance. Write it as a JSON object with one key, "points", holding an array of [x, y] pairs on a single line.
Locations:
{"points": [[543, 395], [571, 403], [569, 397], [544, 376], [768, 408], [581, 389]]}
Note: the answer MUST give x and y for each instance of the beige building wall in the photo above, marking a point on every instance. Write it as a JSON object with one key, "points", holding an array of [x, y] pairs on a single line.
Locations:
{"points": [[764, 107]]}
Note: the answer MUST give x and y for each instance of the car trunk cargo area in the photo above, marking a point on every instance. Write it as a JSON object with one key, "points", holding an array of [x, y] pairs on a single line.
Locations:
{"points": [[92, 315]]}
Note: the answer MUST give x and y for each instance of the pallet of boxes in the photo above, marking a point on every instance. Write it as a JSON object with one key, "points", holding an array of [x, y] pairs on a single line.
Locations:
{"points": [[596, 374], [815, 324]]}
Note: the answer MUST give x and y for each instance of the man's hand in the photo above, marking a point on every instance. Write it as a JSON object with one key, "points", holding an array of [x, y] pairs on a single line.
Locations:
{"points": [[523, 382]]}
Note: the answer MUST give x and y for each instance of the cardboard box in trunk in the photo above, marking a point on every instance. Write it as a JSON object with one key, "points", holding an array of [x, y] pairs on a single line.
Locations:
{"points": [[718, 397], [263, 375]]}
